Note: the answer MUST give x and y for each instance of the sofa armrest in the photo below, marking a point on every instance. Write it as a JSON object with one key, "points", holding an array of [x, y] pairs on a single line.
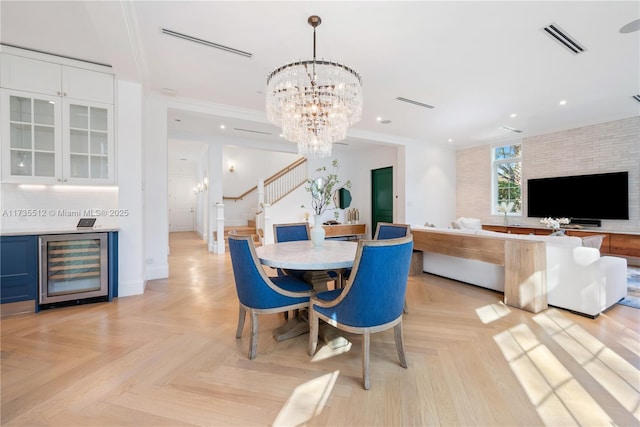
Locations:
{"points": [[614, 270]]}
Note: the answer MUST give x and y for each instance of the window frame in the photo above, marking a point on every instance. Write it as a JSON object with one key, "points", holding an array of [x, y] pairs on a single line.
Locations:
{"points": [[495, 165]]}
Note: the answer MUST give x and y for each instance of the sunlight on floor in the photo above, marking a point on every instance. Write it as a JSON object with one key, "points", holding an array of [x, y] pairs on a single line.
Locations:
{"points": [[306, 401], [492, 312], [559, 399], [326, 351], [612, 372]]}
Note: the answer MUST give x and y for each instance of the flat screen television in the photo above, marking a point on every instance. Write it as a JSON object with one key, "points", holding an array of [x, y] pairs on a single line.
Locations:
{"points": [[597, 196]]}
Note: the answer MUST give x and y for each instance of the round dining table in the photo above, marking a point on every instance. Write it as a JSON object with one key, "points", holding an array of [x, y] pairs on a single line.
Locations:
{"points": [[303, 255], [333, 255]]}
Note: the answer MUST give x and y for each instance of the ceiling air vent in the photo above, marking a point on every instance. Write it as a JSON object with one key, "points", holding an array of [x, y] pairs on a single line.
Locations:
{"points": [[636, 97], [561, 36], [411, 101], [206, 43], [510, 129], [252, 131]]}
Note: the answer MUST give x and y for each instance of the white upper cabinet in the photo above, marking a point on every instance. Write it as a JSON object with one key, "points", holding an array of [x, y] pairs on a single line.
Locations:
{"points": [[48, 78], [56, 123]]}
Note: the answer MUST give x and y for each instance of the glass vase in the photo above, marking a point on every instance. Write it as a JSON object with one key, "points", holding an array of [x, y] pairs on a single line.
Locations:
{"points": [[317, 232]]}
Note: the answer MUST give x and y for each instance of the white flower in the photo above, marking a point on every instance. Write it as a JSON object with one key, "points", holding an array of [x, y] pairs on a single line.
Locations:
{"points": [[554, 223], [505, 207]]}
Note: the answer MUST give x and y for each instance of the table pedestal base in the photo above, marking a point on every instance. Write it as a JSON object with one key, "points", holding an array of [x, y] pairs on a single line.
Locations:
{"points": [[294, 327], [318, 279]]}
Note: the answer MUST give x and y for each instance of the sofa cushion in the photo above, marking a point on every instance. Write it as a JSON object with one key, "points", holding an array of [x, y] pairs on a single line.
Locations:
{"points": [[594, 241], [467, 223]]}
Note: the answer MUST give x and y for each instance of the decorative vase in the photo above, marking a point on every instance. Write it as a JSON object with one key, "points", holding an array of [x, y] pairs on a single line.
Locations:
{"points": [[317, 232]]}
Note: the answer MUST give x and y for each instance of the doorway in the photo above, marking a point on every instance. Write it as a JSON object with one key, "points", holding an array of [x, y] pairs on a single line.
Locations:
{"points": [[181, 203], [381, 196]]}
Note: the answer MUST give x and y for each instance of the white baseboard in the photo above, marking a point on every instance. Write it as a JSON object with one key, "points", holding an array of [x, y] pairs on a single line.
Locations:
{"points": [[157, 272], [131, 287]]}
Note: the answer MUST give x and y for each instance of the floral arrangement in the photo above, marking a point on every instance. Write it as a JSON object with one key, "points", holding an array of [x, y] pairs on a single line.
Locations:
{"points": [[505, 208], [554, 223], [323, 187]]}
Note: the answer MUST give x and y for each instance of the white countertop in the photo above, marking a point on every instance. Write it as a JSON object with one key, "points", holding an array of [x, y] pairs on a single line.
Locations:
{"points": [[40, 232]]}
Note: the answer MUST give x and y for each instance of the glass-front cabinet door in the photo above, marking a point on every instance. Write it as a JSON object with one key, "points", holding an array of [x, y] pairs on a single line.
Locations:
{"points": [[31, 137], [88, 142], [54, 140]]}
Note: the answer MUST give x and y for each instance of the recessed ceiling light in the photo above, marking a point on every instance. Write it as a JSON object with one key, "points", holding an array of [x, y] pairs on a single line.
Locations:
{"points": [[450, 140], [378, 119], [563, 102], [513, 115], [281, 135], [222, 126]]}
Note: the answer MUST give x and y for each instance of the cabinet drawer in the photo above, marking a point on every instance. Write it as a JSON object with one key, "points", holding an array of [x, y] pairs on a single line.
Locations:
{"points": [[624, 244], [18, 261]]}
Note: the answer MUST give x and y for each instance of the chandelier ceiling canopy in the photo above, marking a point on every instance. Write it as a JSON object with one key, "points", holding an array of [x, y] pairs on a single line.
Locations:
{"points": [[314, 101]]}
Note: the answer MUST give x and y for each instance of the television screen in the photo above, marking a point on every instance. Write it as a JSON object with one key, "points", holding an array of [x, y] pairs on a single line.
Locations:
{"points": [[599, 196]]}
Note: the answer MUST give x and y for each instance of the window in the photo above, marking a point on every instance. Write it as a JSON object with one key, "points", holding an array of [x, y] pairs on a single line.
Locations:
{"points": [[507, 176]]}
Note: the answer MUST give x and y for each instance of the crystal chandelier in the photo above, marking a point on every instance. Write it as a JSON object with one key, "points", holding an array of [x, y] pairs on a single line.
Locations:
{"points": [[314, 101]]}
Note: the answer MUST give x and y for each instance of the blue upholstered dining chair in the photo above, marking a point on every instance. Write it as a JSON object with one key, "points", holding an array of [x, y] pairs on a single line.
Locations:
{"points": [[291, 232], [387, 230], [259, 293], [371, 301], [384, 231]]}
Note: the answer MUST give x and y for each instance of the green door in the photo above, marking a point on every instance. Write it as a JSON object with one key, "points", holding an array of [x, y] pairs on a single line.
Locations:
{"points": [[381, 197]]}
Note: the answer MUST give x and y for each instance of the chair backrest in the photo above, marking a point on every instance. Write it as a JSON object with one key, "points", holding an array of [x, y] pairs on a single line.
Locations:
{"points": [[291, 232], [254, 288], [376, 291], [386, 230]]}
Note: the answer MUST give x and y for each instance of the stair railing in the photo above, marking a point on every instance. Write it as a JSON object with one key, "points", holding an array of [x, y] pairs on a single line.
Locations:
{"points": [[279, 184]]}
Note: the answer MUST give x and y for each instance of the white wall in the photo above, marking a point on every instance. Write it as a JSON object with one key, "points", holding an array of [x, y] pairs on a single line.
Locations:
{"points": [[250, 165], [129, 164], [430, 185], [154, 162]]}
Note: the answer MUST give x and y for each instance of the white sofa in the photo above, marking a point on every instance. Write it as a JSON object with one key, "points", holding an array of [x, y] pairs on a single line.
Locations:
{"points": [[578, 278]]}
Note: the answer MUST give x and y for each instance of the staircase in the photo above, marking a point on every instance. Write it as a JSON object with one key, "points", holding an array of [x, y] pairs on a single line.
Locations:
{"points": [[243, 230]]}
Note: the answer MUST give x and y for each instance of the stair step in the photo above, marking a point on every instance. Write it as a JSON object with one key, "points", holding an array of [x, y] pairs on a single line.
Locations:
{"points": [[242, 230]]}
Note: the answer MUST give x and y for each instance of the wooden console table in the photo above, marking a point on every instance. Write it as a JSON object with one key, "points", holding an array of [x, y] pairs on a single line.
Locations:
{"points": [[524, 261], [345, 230], [621, 244]]}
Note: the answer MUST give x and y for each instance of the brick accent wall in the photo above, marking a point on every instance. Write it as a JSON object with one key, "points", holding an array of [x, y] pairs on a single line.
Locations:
{"points": [[606, 147]]}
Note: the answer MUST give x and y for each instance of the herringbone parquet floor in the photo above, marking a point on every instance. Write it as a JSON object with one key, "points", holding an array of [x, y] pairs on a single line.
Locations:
{"points": [[170, 358]]}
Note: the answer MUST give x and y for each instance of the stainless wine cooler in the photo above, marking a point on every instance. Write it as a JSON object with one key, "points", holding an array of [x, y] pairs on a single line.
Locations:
{"points": [[73, 268]]}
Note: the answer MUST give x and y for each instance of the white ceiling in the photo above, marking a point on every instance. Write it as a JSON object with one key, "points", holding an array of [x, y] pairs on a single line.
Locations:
{"points": [[476, 62]]}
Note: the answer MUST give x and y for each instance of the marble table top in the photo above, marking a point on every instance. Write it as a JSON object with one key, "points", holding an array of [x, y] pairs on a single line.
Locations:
{"points": [[302, 255]]}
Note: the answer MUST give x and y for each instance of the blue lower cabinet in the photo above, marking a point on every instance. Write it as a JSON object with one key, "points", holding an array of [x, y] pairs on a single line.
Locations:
{"points": [[113, 265], [18, 268]]}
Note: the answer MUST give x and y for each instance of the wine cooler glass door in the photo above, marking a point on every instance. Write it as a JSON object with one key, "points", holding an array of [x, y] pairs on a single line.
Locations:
{"points": [[73, 267]]}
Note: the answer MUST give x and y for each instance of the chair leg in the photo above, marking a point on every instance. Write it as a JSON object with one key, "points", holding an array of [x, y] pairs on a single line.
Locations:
{"points": [[241, 316], [253, 345], [405, 308], [366, 344], [397, 333], [313, 331]]}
